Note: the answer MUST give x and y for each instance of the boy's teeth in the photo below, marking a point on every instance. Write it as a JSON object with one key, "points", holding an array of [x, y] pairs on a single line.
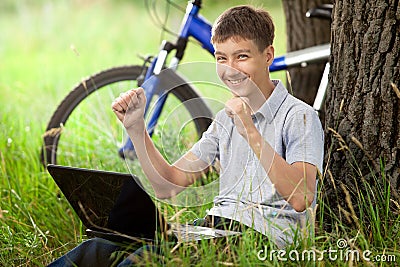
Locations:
{"points": [[236, 81]]}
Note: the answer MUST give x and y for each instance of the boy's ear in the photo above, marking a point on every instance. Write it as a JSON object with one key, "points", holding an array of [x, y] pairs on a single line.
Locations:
{"points": [[269, 53]]}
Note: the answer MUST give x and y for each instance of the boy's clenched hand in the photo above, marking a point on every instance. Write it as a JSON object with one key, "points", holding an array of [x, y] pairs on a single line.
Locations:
{"points": [[237, 109], [129, 108]]}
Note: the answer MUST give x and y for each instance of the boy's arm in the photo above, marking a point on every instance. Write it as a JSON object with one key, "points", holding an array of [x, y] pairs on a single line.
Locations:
{"points": [[167, 180], [295, 182]]}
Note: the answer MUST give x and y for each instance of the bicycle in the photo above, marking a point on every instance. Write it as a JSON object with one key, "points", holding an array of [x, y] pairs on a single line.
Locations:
{"points": [[83, 148]]}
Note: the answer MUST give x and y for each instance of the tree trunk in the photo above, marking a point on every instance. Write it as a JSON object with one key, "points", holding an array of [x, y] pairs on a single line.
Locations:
{"points": [[304, 32], [363, 103]]}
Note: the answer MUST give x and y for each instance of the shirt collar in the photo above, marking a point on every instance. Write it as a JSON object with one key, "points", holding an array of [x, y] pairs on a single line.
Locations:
{"points": [[269, 109]]}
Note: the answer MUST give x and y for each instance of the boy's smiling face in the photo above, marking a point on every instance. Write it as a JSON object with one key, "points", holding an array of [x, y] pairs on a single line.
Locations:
{"points": [[243, 68]]}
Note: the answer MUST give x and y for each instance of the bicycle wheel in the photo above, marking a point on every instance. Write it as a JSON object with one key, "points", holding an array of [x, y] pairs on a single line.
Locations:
{"points": [[84, 132]]}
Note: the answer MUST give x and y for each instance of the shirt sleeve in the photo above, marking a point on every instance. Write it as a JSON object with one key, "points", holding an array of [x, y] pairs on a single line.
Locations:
{"points": [[304, 138], [207, 148]]}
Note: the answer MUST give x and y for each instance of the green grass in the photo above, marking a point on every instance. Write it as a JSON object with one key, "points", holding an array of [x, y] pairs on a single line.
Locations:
{"points": [[46, 48]]}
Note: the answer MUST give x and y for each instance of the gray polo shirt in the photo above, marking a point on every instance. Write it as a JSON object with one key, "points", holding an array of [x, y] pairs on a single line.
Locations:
{"points": [[246, 193]]}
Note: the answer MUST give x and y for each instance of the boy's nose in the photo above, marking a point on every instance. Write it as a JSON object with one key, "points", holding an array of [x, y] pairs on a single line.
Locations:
{"points": [[229, 69], [231, 64]]}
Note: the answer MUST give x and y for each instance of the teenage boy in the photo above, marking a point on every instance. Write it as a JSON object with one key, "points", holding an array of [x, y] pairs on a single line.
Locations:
{"points": [[268, 144]]}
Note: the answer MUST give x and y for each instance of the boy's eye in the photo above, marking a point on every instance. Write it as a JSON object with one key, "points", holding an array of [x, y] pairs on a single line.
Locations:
{"points": [[219, 59], [242, 56]]}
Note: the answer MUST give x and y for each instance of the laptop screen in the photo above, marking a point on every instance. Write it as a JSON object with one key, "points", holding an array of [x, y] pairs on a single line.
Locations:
{"points": [[108, 201]]}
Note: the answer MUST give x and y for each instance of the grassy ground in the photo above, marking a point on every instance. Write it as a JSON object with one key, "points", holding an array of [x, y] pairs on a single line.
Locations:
{"points": [[46, 47]]}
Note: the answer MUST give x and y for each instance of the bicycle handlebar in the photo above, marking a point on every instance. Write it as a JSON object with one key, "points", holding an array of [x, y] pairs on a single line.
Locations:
{"points": [[322, 11]]}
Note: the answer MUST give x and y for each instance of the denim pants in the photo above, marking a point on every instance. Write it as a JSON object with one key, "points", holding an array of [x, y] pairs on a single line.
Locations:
{"points": [[98, 251]]}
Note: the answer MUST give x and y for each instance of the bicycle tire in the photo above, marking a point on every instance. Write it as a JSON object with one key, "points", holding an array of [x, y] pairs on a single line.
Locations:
{"points": [[113, 79]]}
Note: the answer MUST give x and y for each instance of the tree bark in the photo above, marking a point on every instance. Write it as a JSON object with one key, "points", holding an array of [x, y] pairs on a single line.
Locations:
{"points": [[362, 104], [304, 32]]}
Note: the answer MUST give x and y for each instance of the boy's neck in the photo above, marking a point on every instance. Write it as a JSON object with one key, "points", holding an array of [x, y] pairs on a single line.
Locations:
{"points": [[257, 100]]}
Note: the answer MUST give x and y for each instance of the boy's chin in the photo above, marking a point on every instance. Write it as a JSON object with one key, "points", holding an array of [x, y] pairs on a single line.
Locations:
{"points": [[238, 91]]}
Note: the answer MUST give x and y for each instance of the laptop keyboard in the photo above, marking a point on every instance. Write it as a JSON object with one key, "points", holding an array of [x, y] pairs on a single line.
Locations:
{"points": [[187, 232]]}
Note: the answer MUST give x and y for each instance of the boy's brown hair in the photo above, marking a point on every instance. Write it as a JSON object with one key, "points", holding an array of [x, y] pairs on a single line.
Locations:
{"points": [[244, 22]]}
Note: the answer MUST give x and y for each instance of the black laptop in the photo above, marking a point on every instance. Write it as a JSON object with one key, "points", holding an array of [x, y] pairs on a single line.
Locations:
{"points": [[115, 206]]}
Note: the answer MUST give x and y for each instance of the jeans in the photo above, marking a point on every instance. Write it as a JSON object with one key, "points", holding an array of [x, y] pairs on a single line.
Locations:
{"points": [[101, 252]]}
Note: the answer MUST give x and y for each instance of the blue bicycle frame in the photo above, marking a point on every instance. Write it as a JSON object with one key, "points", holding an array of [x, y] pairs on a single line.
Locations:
{"points": [[196, 26], [193, 25]]}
